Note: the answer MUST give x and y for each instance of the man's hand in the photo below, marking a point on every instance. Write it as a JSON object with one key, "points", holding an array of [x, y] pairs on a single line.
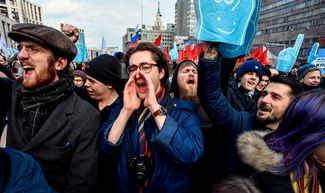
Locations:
{"points": [[72, 32], [131, 101], [211, 51], [151, 100]]}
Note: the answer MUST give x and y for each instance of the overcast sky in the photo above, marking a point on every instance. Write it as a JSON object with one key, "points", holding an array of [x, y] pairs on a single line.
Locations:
{"points": [[108, 18]]}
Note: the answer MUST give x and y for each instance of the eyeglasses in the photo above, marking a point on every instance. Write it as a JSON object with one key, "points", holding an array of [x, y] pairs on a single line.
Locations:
{"points": [[144, 67]]}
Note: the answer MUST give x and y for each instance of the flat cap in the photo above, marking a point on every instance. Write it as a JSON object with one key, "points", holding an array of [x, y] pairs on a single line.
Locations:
{"points": [[49, 37]]}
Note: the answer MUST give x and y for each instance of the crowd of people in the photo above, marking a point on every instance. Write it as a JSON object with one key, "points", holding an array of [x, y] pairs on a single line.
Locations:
{"points": [[134, 123]]}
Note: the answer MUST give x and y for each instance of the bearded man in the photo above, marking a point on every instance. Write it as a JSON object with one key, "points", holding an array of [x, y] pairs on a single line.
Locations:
{"points": [[46, 118], [271, 105]]}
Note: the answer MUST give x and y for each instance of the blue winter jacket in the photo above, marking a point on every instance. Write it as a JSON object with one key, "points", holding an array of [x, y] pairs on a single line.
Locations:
{"points": [[230, 121], [24, 173], [178, 144]]}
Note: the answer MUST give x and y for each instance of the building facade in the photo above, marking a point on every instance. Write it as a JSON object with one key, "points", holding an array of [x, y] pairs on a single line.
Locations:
{"points": [[281, 21], [150, 33], [17, 11], [5, 27], [21, 11], [185, 18]]}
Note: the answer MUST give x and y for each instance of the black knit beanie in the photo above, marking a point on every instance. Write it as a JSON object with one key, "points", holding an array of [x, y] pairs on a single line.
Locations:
{"points": [[106, 69]]}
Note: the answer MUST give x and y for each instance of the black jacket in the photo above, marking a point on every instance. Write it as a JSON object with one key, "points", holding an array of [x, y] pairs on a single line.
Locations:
{"points": [[66, 146]]}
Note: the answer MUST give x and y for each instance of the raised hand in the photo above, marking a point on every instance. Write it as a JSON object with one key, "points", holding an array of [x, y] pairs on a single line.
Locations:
{"points": [[287, 57], [131, 101], [211, 50], [313, 53], [151, 100], [72, 32]]}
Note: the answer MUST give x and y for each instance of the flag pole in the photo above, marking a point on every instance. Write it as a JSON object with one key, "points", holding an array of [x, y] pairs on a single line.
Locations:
{"points": [[141, 14]]}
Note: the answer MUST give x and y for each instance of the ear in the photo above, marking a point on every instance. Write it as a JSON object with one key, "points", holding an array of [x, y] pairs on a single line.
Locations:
{"points": [[161, 73], [60, 63]]}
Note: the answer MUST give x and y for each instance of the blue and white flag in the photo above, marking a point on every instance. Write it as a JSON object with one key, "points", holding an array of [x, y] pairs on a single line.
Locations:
{"points": [[82, 50], [4, 47], [223, 20], [135, 37]]}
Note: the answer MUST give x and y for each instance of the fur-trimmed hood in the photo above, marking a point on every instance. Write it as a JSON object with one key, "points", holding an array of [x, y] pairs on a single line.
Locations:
{"points": [[254, 152]]}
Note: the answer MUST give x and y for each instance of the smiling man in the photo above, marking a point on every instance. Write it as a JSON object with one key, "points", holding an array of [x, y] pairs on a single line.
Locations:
{"points": [[274, 99], [309, 76], [154, 136], [46, 118], [241, 91]]}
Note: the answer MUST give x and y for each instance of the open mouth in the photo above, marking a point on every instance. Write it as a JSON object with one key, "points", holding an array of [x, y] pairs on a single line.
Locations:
{"points": [[190, 82], [264, 108], [251, 82], [141, 86], [28, 70]]}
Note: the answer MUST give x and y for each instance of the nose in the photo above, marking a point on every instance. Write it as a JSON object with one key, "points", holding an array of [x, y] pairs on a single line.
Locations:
{"points": [[137, 75], [254, 76], [265, 99], [87, 83], [22, 54]]}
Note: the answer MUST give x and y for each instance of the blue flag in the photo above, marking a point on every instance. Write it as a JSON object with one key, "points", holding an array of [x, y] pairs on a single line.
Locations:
{"points": [[223, 20], [81, 47]]}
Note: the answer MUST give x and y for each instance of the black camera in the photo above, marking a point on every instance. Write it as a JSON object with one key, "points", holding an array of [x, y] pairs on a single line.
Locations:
{"points": [[140, 167]]}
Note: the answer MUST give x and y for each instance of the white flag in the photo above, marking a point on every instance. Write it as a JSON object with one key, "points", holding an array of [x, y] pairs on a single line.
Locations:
{"points": [[4, 47], [103, 45]]}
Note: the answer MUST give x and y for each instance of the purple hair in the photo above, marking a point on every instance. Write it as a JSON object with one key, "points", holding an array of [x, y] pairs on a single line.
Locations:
{"points": [[301, 130]]}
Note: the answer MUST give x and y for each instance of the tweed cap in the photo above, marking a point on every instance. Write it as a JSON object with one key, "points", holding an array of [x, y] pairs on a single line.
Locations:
{"points": [[48, 37]]}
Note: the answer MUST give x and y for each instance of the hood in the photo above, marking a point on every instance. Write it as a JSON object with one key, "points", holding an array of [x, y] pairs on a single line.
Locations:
{"points": [[254, 152]]}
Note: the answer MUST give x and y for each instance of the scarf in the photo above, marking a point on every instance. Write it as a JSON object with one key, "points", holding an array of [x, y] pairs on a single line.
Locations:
{"points": [[306, 184], [239, 98], [37, 104], [143, 114]]}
